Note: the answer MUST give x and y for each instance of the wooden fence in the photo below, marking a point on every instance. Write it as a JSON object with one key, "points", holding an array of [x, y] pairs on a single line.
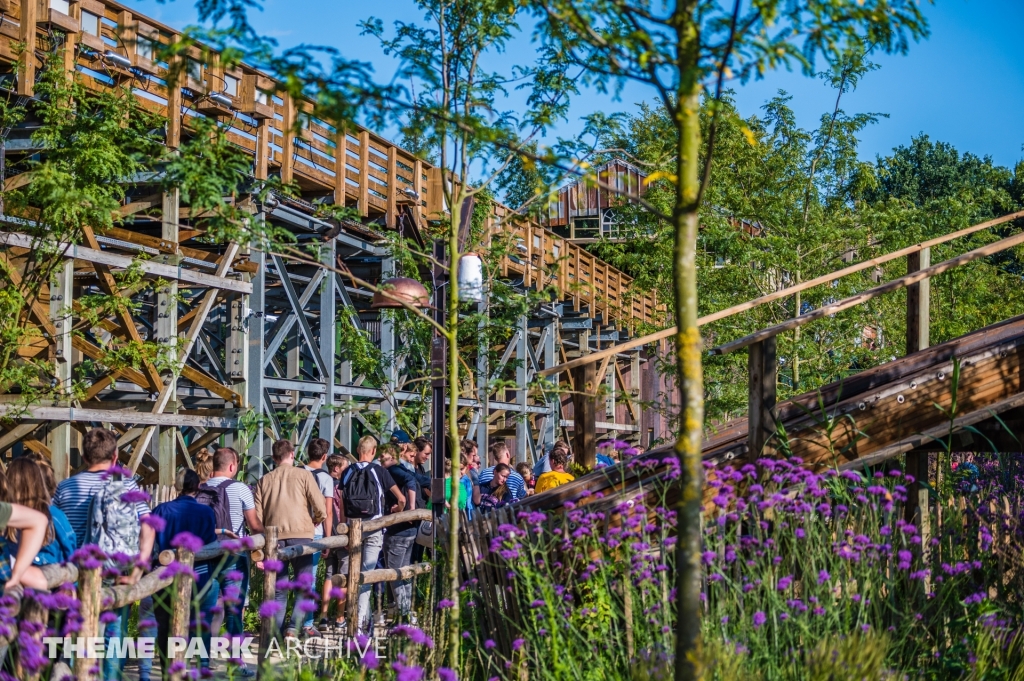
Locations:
{"points": [[95, 598]]}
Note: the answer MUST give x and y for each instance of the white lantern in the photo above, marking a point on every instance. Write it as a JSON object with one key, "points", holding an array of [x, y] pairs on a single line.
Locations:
{"points": [[471, 278]]}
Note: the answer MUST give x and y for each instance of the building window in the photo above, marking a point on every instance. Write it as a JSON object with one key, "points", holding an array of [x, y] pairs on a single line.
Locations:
{"points": [[145, 48], [194, 70], [90, 23], [262, 97], [62, 6], [231, 86]]}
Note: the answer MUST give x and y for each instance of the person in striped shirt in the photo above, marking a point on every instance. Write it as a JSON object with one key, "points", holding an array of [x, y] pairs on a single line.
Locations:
{"points": [[74, 497], [499, 453]]}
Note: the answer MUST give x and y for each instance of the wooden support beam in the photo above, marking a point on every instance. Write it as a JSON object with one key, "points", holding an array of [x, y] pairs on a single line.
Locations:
{"points": [[584, 406], [762, 374], [392, 216], [174, 101], [918, 322], [262, 168], [340, 155], [918, 303], [288, 145], [27, 35], [130, 331], [364, 173]]}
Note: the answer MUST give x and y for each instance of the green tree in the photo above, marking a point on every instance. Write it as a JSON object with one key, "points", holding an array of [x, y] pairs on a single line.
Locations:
{"points": [[678, 48]]}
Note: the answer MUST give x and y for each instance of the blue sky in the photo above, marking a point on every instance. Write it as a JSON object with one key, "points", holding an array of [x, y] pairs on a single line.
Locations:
{"points": [[964, 85]]}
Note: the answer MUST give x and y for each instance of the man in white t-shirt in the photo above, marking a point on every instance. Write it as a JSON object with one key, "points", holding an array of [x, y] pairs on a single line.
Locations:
{"points": [[317, 451], [234, 577]]}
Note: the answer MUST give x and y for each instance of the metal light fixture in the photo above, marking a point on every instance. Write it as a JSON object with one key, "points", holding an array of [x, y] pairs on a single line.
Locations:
{"points": [[471, 278], [117, 60], [221, 99], [400, 290]]}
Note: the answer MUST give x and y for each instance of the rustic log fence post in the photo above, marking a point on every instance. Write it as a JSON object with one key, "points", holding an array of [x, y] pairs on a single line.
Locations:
{"points": [[34, 614], [762, 370], [181, 607], [269, 590], [90, 584], [355, 569]]}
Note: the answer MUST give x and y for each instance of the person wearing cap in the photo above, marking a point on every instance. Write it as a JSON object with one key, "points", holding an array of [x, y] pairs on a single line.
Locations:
{"points": [[406, 449]]}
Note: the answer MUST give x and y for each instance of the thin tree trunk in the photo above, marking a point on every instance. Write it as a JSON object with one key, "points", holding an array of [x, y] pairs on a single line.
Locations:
{"points": [[689, 649], [454, 633]]}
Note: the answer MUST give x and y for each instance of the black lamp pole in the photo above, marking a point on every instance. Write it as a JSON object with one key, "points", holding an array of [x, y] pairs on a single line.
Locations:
{"points": [[438, 353]]}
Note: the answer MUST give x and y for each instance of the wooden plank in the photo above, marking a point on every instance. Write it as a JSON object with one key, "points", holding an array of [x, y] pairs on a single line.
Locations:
{"points": [[97, 256], [211, 384]]}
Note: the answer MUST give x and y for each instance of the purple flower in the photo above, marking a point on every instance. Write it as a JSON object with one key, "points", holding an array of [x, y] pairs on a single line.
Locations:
{"points": [[269, 609], [135, 496], [154, 521], [370, 660], [273, 565], [488, 644], [414, 634], [446, 674], [537, 604], [785, 582], [404, 673], [187, 541], [444, 604], [517, 644], [759, 619], [824, 576]]}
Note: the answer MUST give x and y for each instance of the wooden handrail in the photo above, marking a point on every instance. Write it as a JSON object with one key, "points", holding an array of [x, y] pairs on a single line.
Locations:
{"points": [[870, 294], [397, 518], [336, 541], [782, 293]]}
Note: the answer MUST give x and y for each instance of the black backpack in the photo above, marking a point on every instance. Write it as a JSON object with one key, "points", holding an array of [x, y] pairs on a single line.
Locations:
{"points": [[362, 491], [217, 499]]}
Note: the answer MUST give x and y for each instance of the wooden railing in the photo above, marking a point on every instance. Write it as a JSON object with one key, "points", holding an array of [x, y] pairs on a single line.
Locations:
{"points": [[94, 598], [283, 135]]}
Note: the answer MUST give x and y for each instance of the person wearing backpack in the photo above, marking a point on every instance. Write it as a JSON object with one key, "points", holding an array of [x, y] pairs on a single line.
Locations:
{"points": [[363, 486], [108, 510], [289, 499], [235, 511]]}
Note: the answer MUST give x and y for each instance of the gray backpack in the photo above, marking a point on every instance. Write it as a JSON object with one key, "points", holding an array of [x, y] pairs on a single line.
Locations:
{"points": [[113, 523]]}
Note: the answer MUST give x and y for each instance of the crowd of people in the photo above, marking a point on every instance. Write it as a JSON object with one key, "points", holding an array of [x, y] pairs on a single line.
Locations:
{"points": [[102, 510]]}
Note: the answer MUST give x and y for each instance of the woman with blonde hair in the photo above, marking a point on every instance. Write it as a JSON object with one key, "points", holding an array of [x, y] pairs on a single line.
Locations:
{"points": [[31, 483], [204, 464]]}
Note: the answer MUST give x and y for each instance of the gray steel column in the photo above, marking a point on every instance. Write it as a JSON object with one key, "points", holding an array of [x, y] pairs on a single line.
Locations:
{"points": [[523, 435], [256, 353], [328, 336], [61, 295], [167, 337], [550, 358]]}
